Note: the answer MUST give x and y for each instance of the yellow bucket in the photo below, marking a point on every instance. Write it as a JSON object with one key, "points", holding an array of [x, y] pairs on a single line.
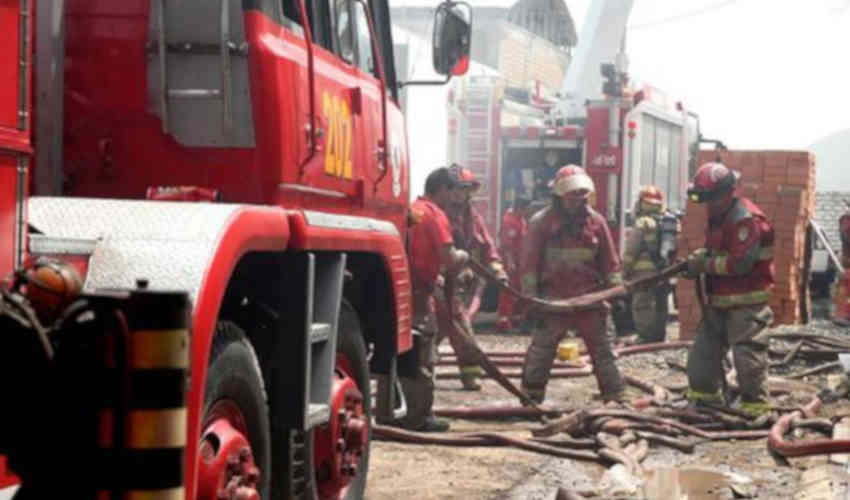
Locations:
{"points": [[567, 351]]}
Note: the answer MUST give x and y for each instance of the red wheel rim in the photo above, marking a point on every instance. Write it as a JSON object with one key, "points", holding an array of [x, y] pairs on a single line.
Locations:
{"points": [[339, 445], [227, 468]]}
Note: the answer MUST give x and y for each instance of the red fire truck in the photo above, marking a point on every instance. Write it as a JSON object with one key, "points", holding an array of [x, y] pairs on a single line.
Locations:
{"points": [[230, 179], [515, 139], [509, 139]]}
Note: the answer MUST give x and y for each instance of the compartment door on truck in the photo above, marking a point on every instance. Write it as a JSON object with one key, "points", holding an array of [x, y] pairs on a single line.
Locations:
{"points": [[15, 113], [15, 146]]}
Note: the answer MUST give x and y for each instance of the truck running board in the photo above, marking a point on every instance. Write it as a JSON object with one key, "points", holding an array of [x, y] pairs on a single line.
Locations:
{"points": [[324, 294]]}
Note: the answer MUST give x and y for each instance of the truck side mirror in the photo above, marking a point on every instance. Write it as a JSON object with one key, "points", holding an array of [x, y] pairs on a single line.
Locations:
{"points": [[452, 38]]}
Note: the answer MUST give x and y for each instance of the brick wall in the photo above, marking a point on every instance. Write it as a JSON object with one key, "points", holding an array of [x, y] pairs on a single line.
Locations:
{"points": [[782, 184], [525, 57]]}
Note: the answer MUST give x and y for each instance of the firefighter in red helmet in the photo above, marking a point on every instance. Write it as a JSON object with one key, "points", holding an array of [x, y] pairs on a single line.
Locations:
{"points": [[570, 252], [431, 251], [465, 289], [513, 232], [645, 254], [737, 263]]}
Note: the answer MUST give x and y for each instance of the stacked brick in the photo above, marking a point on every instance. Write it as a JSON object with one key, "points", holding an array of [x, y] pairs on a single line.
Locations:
{"points": [[782, 183], [525, 57]]}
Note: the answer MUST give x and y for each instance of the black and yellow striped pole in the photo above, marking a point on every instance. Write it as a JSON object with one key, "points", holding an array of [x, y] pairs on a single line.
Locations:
{"points": [[142, 433]]}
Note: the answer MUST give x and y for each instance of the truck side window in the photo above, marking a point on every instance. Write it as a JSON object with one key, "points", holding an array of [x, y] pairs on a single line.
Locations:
{"points": [[321, 23], [344, 32], [365, 59], [291, 16], [290, 11]]}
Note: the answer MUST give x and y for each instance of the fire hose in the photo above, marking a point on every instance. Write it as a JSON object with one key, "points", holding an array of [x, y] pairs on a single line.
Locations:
{"points": [[582, 301], [552, 306], [777, 442]]}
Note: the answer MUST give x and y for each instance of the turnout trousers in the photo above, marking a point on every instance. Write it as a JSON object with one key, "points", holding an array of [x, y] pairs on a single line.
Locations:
{"points": [[591, 326], [742, 330]]}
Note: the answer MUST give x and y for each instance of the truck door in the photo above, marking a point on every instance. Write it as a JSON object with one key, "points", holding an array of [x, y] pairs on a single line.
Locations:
{"points": [[349, 100], [15, 143], [15, 113]]}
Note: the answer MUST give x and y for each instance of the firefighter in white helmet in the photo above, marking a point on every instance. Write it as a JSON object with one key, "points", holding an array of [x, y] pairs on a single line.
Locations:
{"points": [[570, 252]]}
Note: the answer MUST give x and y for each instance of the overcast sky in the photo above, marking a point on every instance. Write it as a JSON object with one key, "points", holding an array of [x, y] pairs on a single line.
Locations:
{"points": [[760, 73]]}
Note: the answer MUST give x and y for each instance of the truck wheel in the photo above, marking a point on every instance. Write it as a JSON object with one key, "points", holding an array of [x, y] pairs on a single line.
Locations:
{"points": [[235, 454], [341, 448]]}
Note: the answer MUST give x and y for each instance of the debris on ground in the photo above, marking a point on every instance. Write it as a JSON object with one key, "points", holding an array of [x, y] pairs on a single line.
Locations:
{"points": [[510, 451]]}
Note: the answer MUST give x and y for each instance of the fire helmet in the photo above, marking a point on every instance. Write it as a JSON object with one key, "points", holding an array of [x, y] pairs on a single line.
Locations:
{"points": [[712, 181], [50, 286], [652, 195], [465, 177], [572, 179]]}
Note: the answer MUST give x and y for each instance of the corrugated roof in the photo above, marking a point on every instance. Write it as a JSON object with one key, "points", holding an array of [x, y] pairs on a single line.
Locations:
{"points": [[829, 206], [549, 19]]}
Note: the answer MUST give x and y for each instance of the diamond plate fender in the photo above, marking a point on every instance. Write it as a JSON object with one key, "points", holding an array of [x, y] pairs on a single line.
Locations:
{"points": [[175, 246]]}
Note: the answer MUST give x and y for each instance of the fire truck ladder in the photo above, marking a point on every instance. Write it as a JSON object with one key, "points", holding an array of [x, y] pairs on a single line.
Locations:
{"points": [[225, 47], [479, 143], [323, 297]]}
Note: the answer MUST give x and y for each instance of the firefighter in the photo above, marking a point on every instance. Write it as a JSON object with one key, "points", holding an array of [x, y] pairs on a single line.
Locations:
{"points": [[431, 251], [463, 292], [643, 256], [514, 231], [842, 298], [569, 251], [737, 263]]}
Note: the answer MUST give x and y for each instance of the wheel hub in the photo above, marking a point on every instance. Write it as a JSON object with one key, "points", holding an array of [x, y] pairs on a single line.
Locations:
{"points": [[227, 467], [340, 444]]}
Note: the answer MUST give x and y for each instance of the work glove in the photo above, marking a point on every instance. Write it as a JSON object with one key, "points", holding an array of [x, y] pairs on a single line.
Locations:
{"points": [[440, 282], [459, 257], [697, 262], [499, 271], [465, 277]]}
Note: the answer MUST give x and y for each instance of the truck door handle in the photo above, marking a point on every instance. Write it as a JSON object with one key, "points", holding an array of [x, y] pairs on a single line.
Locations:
{"points": [[380, 154]]}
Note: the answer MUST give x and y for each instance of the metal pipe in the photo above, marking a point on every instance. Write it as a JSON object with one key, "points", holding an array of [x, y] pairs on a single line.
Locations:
{"points": [[558, 373], [657, 346], [816, 369], [496, 412], [163, 65], [623, 351], [23, 64], [510, 362], [226, 70], [481, 439]]}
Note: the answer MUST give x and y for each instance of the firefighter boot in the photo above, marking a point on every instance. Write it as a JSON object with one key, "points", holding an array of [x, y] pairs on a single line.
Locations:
{"points": [[469, 377], [433, 424], [383, 398]]}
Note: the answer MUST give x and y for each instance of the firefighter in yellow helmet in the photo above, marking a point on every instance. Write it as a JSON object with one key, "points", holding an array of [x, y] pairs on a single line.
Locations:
{"points": [[648, 250]]}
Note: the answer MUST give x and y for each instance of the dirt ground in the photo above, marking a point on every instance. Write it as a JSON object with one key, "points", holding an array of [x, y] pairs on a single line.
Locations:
{"points": [[406, 471]]}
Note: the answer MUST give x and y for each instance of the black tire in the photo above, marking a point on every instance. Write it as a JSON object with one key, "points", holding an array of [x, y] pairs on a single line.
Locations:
{"points": [[303, 482], [234, 373]]}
